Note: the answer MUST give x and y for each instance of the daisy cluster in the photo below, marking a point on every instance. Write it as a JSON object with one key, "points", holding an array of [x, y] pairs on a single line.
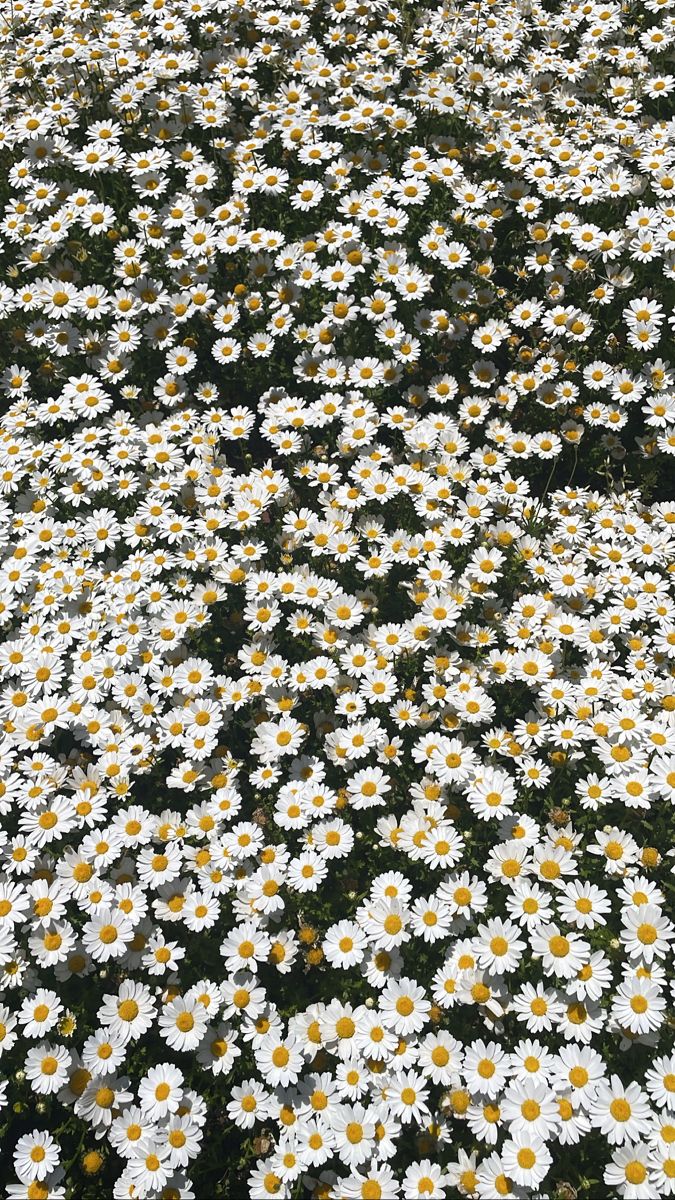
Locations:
{"points": [[337, 681]]}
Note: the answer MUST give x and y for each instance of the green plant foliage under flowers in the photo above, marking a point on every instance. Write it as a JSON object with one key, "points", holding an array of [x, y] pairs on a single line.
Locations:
{"points": [[337, 679]]}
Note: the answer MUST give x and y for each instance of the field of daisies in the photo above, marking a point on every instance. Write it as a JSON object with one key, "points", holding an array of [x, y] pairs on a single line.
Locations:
{"points": [[337, 617]]}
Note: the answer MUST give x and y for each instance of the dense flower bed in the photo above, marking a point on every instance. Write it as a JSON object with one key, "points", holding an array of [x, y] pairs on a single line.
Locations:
{"points": [[337, 677]]}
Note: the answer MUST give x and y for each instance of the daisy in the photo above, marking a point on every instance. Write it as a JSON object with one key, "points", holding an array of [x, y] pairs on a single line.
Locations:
{"points": [[182, 1024], [385, 923], [245, 947], [562, 955], [492, 1180], [638, 1006], [280, 1061], [242, 995], [130, 1012], [629, 1172], [47, 1067], [378, 1178], [340, 1025], [107, 935], [526, 1159], [582, 1069], [404, 1006], [529, 905], [620, 1113], [39, 1013], [430, 919], [483, 1118], [36, 1155], [345, 944], [463, 893], [485, 1068], [353, 1128], [529, 1107], [149, 1168], [660, 1082], [646, 932], [424, 1178], [407, 1097], [538, 1007], [182, 1137], [441, 1058], [102, 1054], [500, 948], [315, 1142], [249, 1103], [101, 1100], [583, 905]]}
